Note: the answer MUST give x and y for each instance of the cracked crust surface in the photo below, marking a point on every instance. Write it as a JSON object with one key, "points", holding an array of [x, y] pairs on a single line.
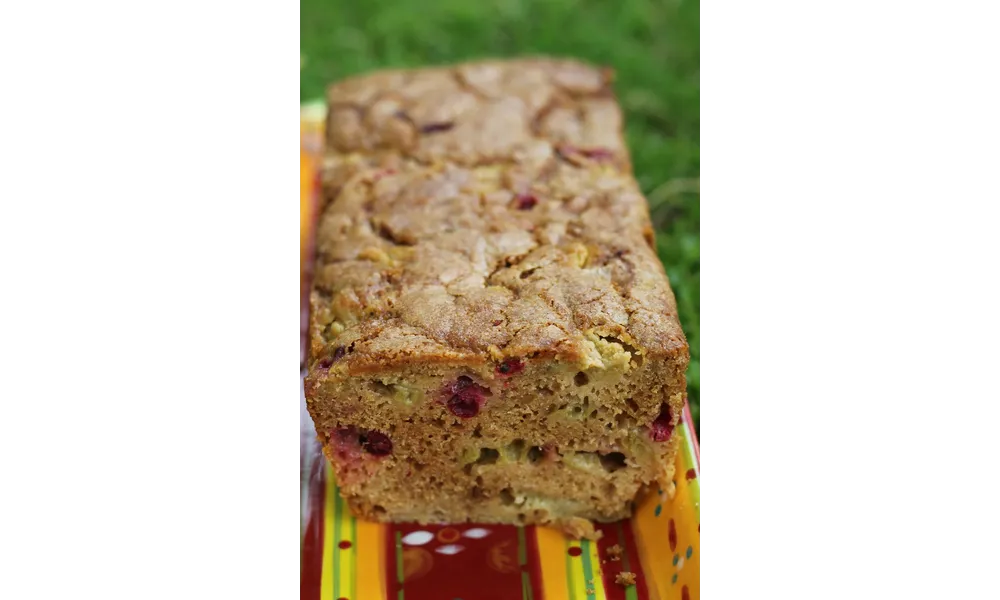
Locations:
{"points": [[477, 112], [491, 216]]}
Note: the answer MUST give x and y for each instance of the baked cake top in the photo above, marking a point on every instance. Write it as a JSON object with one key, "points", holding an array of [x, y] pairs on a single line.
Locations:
{"points": [[477, 112], [480, 212]]}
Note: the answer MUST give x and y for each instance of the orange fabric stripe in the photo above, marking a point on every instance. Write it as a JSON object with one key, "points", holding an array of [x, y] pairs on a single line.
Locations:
{"points": [[552, 559]]}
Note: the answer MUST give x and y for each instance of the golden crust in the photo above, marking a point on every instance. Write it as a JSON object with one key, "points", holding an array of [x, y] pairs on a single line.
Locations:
{"points": [[482, 210]]}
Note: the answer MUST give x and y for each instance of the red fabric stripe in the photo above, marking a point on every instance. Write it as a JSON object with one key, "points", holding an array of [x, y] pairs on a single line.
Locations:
{"points": [[312, 544], [609, 569], [392, 584], [534, 566], [485, 568], [632, 550]]}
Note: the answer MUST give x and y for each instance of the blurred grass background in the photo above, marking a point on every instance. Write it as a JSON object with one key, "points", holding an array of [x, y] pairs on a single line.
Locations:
{"points": [[653, 46]]}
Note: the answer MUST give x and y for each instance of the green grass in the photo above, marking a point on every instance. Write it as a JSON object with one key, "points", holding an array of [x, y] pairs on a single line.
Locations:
{"points": [[652, 45]]}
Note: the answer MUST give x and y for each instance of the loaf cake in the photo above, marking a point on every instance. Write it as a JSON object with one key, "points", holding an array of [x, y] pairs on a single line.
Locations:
{"points": [[492, 337]]}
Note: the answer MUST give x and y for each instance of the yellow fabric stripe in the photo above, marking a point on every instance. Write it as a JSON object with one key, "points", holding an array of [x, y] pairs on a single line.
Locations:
{"points": [[370, 561], [552, 558], [577, 580], [346, 557], [652, 532]]}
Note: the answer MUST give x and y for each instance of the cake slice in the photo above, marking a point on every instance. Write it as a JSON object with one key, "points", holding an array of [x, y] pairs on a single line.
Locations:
{"points": [[492, 337]]}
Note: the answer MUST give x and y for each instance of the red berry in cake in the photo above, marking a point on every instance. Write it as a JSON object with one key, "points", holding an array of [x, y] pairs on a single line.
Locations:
{"points": [[376, 444], [466, 397], [458, 385], [597, 153], [383, 173], [327, 361], [344, 436], [525, 201], [437, 127], [662, 427], [510, 366], [345, 446], [550, 452], [463, 406]]}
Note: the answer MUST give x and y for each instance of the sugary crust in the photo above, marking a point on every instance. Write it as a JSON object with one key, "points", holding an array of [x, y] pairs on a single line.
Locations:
{"points": [[476, 113], [482, 211]]}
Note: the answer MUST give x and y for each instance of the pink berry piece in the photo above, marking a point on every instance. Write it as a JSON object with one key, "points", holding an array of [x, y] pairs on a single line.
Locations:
{"points": [[376, 443], [345, 445], [463, 405], [598, 154], [662, 427], [525, 201], [510, 366], [550, 452], [382, 174], [466, 397], [437, 127], [327, 361], [343, 437]]}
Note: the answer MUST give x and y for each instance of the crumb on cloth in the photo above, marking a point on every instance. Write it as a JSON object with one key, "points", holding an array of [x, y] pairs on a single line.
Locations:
{"points": [[578, 528], [625, 578], [614, 552]]}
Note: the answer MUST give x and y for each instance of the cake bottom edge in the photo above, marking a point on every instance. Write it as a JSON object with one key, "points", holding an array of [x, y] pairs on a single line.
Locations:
{"points": [[516, 506]]}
